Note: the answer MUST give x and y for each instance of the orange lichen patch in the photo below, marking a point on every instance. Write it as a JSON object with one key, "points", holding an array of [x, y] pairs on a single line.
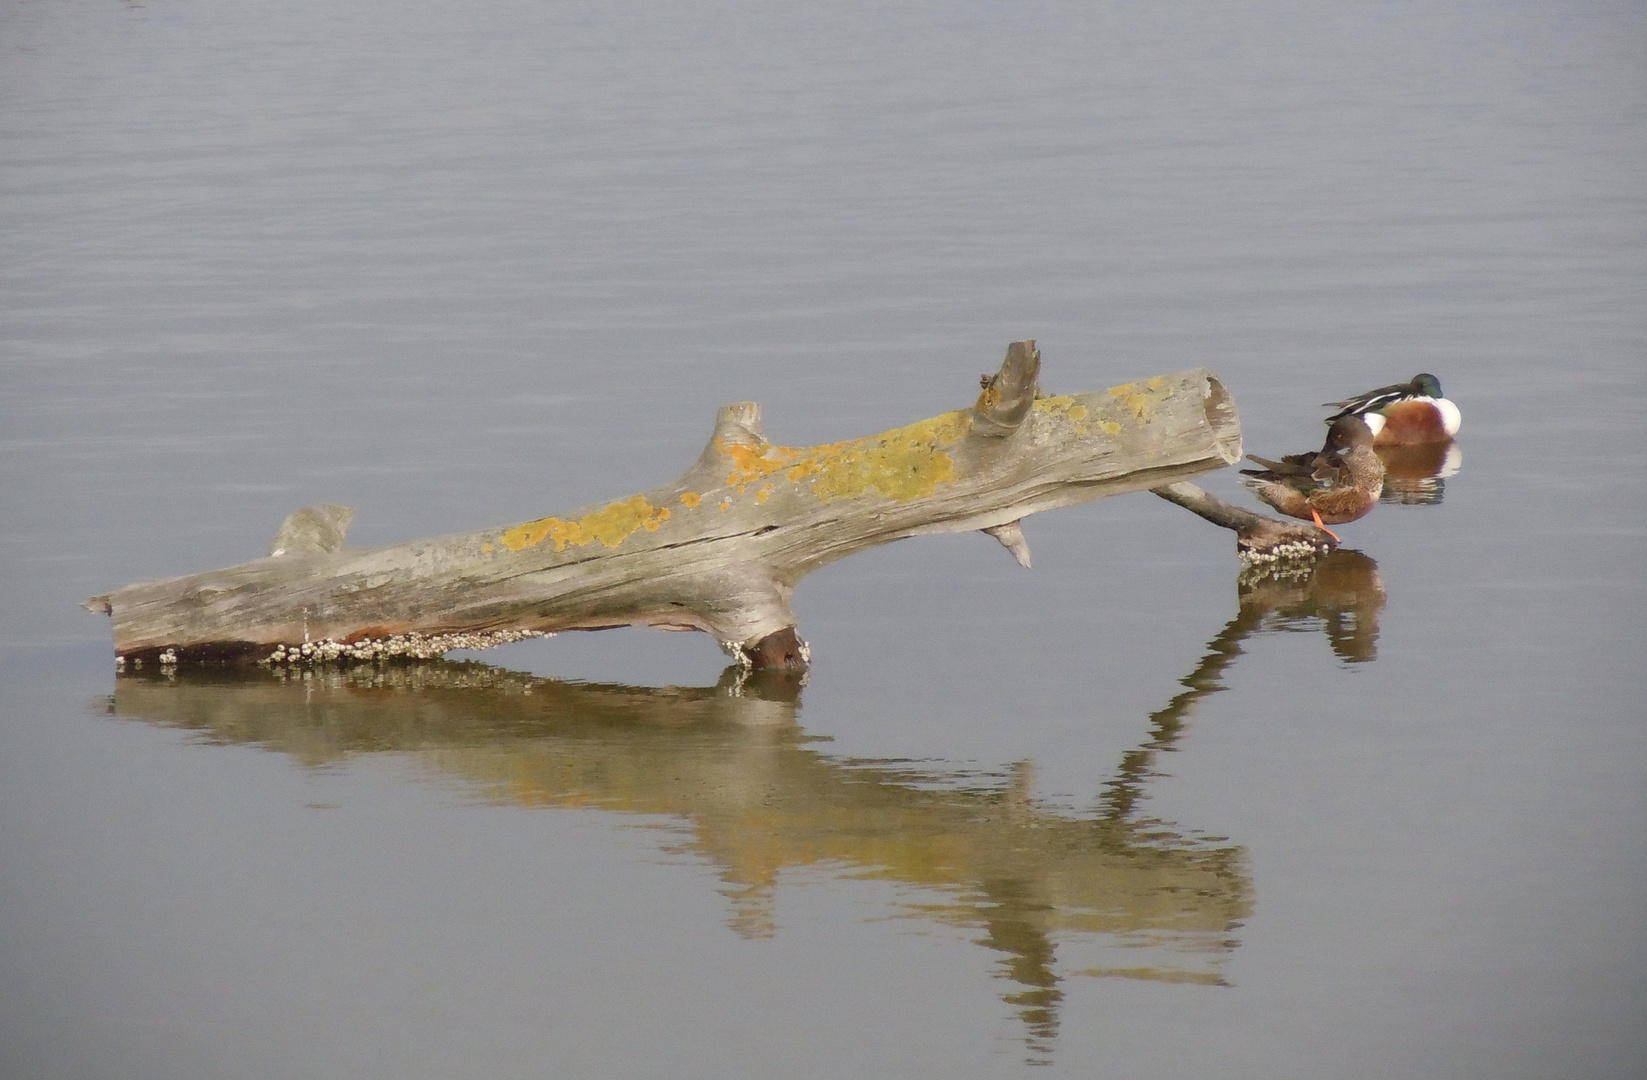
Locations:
{"points": [[987, 400], [1141, 397], [905, 463], [691, 499], [726, 504], [611, 525], [763, 494], [751, 463], [530, 534], [902, 464]]}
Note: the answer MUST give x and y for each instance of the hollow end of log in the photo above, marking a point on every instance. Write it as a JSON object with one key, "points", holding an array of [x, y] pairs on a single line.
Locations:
{"points": [[1222, 419]]}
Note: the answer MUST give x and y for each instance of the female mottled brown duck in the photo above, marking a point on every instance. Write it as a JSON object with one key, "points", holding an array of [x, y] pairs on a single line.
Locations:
{"points": [[1339, 484]]}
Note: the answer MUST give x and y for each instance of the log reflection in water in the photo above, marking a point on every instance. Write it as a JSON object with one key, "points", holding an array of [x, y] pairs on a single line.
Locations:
{"points": [[760, 797], [1340, 594]]}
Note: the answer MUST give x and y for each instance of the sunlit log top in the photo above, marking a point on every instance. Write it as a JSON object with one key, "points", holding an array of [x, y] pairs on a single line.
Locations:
{"points": [[719, 550]]}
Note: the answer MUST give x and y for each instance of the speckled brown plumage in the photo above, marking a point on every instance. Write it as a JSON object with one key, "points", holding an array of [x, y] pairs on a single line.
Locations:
{"points": [[1340, 483]]}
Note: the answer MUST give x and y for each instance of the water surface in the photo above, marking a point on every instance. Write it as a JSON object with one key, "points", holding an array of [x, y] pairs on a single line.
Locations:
{"points": [[1127, 814]]}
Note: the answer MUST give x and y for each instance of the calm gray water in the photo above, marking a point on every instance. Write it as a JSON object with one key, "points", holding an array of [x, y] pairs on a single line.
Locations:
{"points": [[460, 265]]}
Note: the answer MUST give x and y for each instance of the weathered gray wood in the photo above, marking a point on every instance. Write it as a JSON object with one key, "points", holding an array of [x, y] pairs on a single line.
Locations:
{"points": [[313, 530], [720, 549]]}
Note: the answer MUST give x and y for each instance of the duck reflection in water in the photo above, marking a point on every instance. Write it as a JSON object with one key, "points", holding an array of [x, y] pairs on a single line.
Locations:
{"points": [[760, 798], [1417, 475]]}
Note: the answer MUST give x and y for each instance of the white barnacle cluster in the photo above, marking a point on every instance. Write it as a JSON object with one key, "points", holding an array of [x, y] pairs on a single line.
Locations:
{"points": [[1296, 549], [738, 656], [168, 659], [413, 646]]}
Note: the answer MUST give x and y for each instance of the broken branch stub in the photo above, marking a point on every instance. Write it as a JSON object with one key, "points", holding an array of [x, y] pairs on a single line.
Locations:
{"points": [[719, 550]]}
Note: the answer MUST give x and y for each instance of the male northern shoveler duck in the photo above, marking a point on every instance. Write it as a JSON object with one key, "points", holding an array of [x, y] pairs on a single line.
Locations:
{"points": [[1339, 484], [1405, 414]]}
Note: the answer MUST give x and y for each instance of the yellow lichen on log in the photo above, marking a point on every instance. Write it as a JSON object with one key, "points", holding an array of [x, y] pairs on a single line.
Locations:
{"points": [[1141, 397], [612, 524], [903, 464], [751, 463]]}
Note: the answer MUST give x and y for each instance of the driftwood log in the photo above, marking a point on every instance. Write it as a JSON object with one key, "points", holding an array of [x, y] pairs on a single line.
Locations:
{"points": [[719, 550]]}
